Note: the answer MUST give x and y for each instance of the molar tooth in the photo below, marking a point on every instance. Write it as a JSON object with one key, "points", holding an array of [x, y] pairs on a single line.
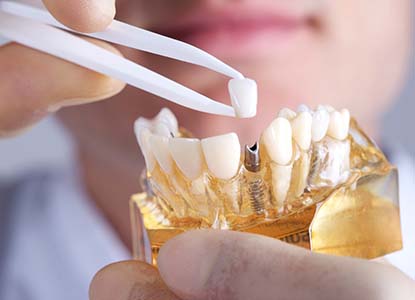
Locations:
{"points": [[222, 154], [188, 156], [319, 125], [160, 147], [162, 129], [301, 128], [287, 113], [339, 124], [303, 108], [244, 96], [166, 115], [143, 138], [278, 141]]}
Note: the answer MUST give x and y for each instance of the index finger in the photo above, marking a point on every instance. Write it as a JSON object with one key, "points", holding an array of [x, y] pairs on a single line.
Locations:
{"points": [[83, 15]]}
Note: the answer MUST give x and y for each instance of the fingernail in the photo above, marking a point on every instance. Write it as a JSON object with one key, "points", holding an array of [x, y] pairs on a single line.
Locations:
{"points": [[186, 262]]}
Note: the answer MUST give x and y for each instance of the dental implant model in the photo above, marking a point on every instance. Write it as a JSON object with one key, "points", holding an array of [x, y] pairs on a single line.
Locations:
{"points": [[313, 179]]}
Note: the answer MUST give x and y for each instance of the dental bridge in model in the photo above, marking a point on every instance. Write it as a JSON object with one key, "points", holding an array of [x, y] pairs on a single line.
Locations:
{"points": [[35, 27], [314, 179]]}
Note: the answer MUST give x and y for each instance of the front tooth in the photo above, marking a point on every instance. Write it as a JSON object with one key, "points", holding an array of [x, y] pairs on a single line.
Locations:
{"points": [[222, 154], [160, 147], [144, 142], [278, 141], [166, 115], [319, 125], [339, 124], [301, 127], [287, 113], [244, 96], [188, 156]]}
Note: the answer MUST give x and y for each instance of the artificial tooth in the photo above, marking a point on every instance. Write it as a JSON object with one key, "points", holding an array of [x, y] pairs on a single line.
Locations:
{"points": [[188, 156], [167, 116], [319, 125], [244, 96], [162, 129], [339, 124], [301, 128], [303, 108], [222, 154], [278, 141], [143, 138], [287, 113], [160, 147], [281, 179]]}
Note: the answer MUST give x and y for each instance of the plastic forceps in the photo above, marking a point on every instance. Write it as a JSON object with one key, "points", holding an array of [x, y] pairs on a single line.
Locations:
{"points": [[35, 27]]}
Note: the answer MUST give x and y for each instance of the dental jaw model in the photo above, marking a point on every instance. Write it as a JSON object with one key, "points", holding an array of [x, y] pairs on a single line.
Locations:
{"points": [[314, 179]]}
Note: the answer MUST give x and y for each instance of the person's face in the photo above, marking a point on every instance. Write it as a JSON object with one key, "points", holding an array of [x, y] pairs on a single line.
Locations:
{"points": [[347, 53]]}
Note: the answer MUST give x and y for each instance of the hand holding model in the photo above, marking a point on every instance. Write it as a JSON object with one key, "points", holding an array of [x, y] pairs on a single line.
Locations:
{"points": [[201, 265], [40, 84]]}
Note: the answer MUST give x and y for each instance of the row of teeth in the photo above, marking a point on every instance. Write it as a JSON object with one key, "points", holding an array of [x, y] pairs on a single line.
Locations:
{"points": [[159, 141]]}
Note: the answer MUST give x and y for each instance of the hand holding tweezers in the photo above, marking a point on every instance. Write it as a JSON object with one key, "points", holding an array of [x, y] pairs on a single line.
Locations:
{"points": [[35, 27]]}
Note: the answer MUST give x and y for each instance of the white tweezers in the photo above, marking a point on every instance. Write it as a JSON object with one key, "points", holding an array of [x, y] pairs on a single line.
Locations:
{"points": [[35, 27]]}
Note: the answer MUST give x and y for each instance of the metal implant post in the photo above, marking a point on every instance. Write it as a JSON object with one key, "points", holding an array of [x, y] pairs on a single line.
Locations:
{"points": [[256, 188]]}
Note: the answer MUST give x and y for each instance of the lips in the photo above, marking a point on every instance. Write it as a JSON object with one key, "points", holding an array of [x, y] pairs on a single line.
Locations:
{"points": [[238, 31]]}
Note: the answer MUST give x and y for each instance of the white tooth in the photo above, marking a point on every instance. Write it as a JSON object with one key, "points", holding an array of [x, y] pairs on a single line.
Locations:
{"points": [[346, 120], [160, 147], [169, 119], [301, 127], [188, 156], [278, 141], [319, 125], [281, 179], [244, 96], [144, 142], [162, 129], [303, 108], [329, 108], [303, 170], [339, 124], [222, 154], [287, 113]]}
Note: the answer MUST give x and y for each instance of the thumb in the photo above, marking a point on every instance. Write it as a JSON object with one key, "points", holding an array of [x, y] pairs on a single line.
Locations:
{"points": [[83, 15], [208, 264]]}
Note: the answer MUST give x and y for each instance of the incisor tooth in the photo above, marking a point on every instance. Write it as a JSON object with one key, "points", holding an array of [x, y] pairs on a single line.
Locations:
{"points": [[301, 127], [160, 147], [244, 96], [188, 156], [222, 154], [278, 141], [166, 115], [339, 124], [287, 113], [319, 125], [144, 143]]}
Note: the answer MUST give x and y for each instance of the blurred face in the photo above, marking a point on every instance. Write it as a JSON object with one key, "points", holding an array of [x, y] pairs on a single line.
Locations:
{"points": [[347, 53]]}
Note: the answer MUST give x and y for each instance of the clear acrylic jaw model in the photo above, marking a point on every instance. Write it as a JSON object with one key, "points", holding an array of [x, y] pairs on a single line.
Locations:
{"points": [[332, 192]]}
